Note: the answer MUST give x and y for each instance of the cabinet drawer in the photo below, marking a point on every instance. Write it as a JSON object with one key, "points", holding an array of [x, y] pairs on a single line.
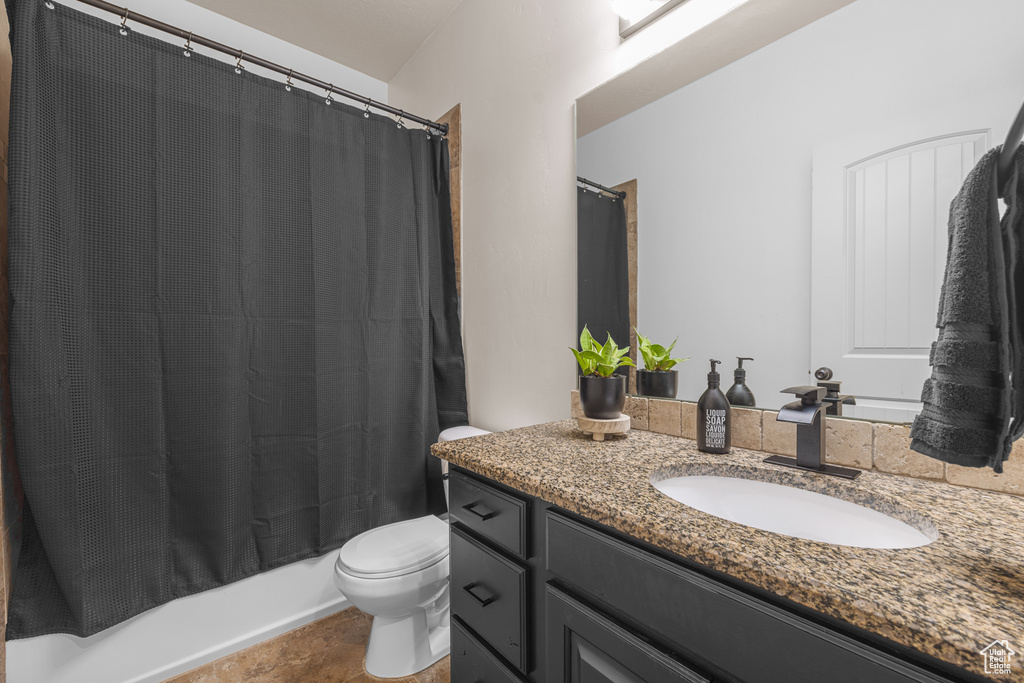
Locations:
{"points": [[489, 594], [711, 622], [586, 646], [495, 515], [472, 662]]}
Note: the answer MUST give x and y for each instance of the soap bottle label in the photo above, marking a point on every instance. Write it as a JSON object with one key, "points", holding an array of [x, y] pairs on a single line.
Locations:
{"points": [[714, 429]]}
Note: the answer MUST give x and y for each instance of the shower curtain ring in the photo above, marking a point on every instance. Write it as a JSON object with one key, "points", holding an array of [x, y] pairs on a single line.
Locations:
{"points": [[400, 115], [49, 5], [188, 45], [124, 20], [366, 113], [288, 81], [330, 89], [238, 64], [427, 128]]}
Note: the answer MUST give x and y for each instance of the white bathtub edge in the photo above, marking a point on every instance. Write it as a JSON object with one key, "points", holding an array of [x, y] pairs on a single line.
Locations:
{"points": [[258, 635], [185, 633]]}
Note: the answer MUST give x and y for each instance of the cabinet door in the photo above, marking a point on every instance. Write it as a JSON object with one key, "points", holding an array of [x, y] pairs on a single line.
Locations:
{"points": [[587, 647], [472, 662]]}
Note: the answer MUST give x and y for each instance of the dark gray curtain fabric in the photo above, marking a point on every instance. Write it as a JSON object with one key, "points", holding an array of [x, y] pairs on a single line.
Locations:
{"points": [[234, 331], [602, 275]]}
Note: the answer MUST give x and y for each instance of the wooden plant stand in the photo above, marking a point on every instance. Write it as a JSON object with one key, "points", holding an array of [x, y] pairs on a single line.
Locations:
{"points": [[601, 428]]}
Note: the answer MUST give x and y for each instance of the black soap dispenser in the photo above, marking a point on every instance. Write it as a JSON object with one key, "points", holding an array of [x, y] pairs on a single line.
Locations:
{"points": [[739, 394], [713, 417]]}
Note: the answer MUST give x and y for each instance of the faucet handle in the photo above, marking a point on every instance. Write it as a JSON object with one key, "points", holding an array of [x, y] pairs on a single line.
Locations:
{"points": [[809, 396], [831, 387]]}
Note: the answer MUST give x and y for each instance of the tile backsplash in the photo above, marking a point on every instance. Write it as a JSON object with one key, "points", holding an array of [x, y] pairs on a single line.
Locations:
{"points": [[850, 443]]}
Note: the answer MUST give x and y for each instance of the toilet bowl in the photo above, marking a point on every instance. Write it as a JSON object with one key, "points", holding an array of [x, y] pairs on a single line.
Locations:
{"points": [[398, 573]]}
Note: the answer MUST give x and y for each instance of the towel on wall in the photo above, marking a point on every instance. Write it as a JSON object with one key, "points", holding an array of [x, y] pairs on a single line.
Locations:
{"points": [[974, 400]]}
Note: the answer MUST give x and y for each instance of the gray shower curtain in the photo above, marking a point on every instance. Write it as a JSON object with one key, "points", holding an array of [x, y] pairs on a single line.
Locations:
{"points": [[234, 331], [602, 268]]}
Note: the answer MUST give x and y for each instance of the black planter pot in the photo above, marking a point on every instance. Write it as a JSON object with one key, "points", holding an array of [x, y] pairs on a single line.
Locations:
{"points": [[659, 383], [602, 398]]}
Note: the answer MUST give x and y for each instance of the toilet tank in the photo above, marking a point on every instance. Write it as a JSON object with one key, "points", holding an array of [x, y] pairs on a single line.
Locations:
{"points": [[452, 434]]}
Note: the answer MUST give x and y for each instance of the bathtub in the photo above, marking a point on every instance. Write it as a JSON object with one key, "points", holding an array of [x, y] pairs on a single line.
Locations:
{"points": [[184, 633]]}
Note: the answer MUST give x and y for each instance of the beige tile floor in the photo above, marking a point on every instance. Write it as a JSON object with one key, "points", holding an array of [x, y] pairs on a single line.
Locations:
{"points": [[329, 650]]}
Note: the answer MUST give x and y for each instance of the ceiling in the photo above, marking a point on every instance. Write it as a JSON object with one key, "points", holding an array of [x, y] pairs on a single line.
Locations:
{"points": [[739, 32], [376, 37]]}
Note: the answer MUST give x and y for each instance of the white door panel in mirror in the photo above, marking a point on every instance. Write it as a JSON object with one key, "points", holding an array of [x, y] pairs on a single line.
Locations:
{"points": [[880, 208]]}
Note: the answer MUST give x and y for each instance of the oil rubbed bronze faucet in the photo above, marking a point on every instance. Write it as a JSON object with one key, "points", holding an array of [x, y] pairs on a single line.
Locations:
{"points": [[809, 416]]}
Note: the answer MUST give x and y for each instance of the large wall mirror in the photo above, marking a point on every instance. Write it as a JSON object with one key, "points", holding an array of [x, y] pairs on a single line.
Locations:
{"points": [[792, 206]]}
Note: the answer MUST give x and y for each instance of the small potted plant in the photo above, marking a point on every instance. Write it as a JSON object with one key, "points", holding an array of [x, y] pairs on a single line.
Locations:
{"points": [[658, 378], [602, 393]]}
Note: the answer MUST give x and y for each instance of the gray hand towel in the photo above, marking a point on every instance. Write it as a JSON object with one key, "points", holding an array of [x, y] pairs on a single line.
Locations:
{"points": [[974, 400]]}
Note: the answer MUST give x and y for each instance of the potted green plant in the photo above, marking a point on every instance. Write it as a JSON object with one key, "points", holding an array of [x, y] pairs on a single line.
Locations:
{"points": [[657, 378], [602, 392]]}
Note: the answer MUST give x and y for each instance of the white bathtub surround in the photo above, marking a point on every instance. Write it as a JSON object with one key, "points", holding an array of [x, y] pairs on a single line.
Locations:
{"points": [[184, 633]]}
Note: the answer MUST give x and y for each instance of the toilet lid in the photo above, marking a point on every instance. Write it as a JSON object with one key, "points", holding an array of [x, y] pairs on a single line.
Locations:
{"points": [[402, 547]]}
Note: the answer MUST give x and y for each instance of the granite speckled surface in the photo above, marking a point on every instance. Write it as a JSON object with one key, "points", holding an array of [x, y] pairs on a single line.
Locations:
{"points": [[948, 599]]}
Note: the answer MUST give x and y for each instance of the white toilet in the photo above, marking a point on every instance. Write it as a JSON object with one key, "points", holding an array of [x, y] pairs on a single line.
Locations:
{"points": [[398, 573]]}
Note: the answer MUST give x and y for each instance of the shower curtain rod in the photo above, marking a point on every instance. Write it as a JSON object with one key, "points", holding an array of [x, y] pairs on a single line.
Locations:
{"points": [[616, 193], [127, 15]]}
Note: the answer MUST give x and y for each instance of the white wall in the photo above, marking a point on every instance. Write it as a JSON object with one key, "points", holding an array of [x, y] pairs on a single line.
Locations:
{"points": [[201, 21], [517, 68], [724, 168]]}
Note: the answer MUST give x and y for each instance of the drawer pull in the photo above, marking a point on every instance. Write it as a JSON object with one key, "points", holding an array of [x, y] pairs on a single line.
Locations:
{"points": [[484, 600], [472, 507]]}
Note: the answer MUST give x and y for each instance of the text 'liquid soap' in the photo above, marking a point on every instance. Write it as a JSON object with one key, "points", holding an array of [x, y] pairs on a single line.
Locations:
{"points": [[713, 413]]}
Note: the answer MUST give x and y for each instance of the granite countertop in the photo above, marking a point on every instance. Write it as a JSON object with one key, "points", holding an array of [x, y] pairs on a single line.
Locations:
{"points": [[948, 599]]}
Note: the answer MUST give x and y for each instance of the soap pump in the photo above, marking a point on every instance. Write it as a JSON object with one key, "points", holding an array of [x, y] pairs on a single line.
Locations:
{"points": [[713, 413], [739, 394]]}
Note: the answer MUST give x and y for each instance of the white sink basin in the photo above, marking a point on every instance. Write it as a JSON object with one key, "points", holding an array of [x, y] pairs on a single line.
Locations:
{"points": [[792, 511]]}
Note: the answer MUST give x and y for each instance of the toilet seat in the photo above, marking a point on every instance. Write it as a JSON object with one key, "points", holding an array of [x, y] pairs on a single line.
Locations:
{"points": [[395, 549]]}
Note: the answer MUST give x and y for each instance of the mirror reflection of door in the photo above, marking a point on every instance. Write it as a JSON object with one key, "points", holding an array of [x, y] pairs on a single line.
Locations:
{"points": [[879, 238], [602, 267]]}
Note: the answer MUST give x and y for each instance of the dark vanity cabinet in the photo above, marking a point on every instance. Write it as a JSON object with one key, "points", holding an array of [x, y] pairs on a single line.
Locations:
{"points": [[492, 567], [542, 595]]}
